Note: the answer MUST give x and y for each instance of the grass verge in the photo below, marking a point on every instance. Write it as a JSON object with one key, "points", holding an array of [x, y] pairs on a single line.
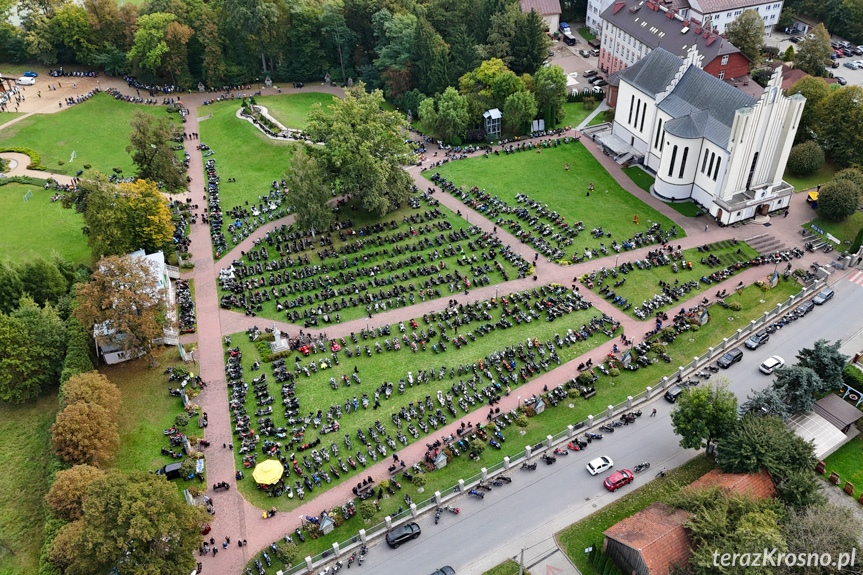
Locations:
{"points": [[292, 110], [588, 532], [639, 177], [846, 230], [804, 183], [508, 567], [586, 34], [847, 461], [39, 227], [25, 452]]}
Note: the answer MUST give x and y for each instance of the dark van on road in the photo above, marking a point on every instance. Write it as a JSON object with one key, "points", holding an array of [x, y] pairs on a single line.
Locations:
{"points": [[729, 358]]}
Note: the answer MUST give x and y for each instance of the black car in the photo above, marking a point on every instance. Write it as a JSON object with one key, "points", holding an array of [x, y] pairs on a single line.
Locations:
{"points": [[730, 357], [806, 307], [757, 339], [673, 393], [445, 570], [794, 39], [403, 533]]}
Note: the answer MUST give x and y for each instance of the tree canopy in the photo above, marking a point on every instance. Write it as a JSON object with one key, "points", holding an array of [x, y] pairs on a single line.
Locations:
{"points": [[838, 199], [66, 496], [151, 151], [764, 442], [746, 32], [704, 414], [364, 148], [814, 90], [85, 433], [813, 54], [840, 125], [309, 192]]}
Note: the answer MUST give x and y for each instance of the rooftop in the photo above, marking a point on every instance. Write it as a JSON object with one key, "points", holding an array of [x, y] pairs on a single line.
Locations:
{"points": [[657, 532], [655, 25], [757, 485], [543, 7], [837, 411], [713, 6]]}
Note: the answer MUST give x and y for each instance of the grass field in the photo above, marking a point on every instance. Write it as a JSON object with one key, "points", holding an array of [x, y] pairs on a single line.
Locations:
{"points": [[82, 129], [242, 152], [575, 114], [543, 178], [847, 461], [586, 34], [846, 230], [643, 283], [25, 452], [39, 227], [292, 110], [9, 116], [148, 409], [508, 567], [375, 256], [639, 177], [588, 532], [822, 176]]}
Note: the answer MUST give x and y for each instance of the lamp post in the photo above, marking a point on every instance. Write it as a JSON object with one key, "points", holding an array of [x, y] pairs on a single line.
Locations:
{"points": [[519, 401], [617, 259], [495, 292]]}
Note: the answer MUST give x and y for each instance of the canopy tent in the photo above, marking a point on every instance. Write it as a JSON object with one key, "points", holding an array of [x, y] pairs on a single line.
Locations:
{"points": [[268, 472]]}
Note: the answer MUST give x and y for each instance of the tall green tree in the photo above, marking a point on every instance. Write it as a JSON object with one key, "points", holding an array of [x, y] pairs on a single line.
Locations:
{"points": [[550, 94], [136, 523], [341, 37], [768, 401], [310, 192], [529, 43], [150, 45], [255, 22], [764, 442], [814, 90], [838, 199], [396, 34], [825, 359], [798, 386], [704, 415], [430, 59], [746, 32], [11, 287], [452, 114], [518, 110], [813, 54], [364, 148], [840, 125], [42, 281], [464, 55], [499, 43], [151, 151]]}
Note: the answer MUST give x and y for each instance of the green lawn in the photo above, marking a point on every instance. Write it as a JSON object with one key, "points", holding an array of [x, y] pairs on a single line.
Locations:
{"points": [[82, 129], [847, 461], [846, 230], [39, 227], [609, 206], [25, 452], [641, 178], [598, 119], [822, 176], [724, 323], [292, 110], [585, 33], [588, 532], [575, 114], [241, 152], [147, 409], [9, 116], [508, 567]]}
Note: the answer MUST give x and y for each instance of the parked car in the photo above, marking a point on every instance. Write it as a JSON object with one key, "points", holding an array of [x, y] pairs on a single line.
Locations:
{"points": [[834, 64], [26, 81], [673, 393], [757, 339], [729, 358], [601, 82], [771, 364], [445, 570], [589, 74], [806, 307], [823, 296], [594, 52], [599, 465], [584, 53], [30, 74], [170, 471], [403, 533], [618, 479], [842, 81], [794, 39], [850, 65]]}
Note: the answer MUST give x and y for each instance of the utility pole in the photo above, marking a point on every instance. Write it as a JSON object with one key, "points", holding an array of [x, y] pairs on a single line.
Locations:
{"points": [[521, 563]]}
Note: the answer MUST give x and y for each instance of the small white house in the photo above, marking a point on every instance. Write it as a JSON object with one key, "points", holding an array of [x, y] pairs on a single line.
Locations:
{"points": [[492, 122]]}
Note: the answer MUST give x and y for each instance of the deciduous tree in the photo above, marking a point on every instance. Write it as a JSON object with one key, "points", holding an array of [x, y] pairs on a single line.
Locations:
{"points": [[518, 110], [310, 192], [452, 114], [840, 125], [813, 54], [85, 433], [92, 387], [66, 496], [136, 523], [148, 219], [704, 414], [364, 148], [550, 94], [125, 301], [150, 44], [826, 528], [61, 552], [814, 90], [42, 280], [746, 32], [11, 287], [838, 199], [151, 151]]}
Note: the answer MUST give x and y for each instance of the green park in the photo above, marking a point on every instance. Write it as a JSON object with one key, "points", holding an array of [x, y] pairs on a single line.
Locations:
{"points": [[278, 237]]}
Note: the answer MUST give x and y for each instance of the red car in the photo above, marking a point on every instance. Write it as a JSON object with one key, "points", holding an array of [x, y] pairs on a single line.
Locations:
{"points": [[618, 479]]}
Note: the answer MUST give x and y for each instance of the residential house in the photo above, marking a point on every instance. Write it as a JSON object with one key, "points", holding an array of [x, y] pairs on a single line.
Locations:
{"points": [[548, 9]]}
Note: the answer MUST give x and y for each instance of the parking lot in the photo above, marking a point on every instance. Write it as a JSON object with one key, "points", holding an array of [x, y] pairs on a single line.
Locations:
{"points": [[569, 59], [781, 40]]}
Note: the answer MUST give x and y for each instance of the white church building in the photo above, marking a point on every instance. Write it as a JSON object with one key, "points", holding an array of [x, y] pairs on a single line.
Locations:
{"points": [[705, 140]]}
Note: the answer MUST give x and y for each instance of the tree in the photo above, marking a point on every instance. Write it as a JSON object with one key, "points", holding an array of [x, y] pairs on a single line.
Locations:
{"points": [[746, 32], [124, 300], [452, 114], [176, 60], [427, 115], [66, 496], [367, 510], [814, 90], [151, 152], [813, 53], [518, 110], [788, 55], [396, 35], [499, 43], [799, 489], [11, 287], [92, 387], [838, 199], [464, 55], [550, 94], [286, 552], [61, 552], [851, 174], [85, 433], [42, 280], [764, 442], [136, 523], [768, 401], [825, 360], [150, 45], [430, 59], [213, 68], [77, 358], [704, 415], [488, 86], [805, 159], [798, 385], [364, 148], [309, 192], [529, 43], [842, 110], [806, 531], [148, 219]]}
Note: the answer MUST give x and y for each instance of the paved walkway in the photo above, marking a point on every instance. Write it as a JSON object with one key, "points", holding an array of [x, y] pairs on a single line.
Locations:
{"points": [[18, 167]]}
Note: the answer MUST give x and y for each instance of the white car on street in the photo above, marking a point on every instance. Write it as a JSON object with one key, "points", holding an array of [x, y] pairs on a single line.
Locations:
{"points": [[599, 465], [771, 364]]}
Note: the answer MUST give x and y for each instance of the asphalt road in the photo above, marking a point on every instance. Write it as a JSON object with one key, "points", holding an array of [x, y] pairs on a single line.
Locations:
{"points": [[527, 512]]}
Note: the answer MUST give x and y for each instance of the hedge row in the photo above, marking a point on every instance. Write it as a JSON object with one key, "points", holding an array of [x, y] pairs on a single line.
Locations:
{"points": [[28, 180], [35, 157], [78, 356]]}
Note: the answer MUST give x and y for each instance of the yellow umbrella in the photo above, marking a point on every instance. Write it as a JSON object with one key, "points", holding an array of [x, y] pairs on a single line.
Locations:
{"points": [[268, 472]]}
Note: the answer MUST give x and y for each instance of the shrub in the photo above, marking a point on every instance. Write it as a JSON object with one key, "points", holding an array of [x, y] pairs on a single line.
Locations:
{"points": [[788, 56], [87, 166], [658, 348], [521, 421], [614, 372], [852, 376], [806, 158], [529, 411], [182, 419], [851, 174], [367, 510], [35, 157], [287, 552], [117, 170], [66, 496], [187, 468], [838, 199], [419, 480], [734, 306], [573, 393], [61, 162]]}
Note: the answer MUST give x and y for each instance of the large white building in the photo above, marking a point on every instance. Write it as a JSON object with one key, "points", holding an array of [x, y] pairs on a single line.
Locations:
{"points": [[713, 15], [704, 139]]}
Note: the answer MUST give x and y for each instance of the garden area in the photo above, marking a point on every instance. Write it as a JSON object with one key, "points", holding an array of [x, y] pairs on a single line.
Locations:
{"points": [[39, 227], [805, 183], [543, 177], [847, 461], [101, 144], [292, 110], [846, 230]]}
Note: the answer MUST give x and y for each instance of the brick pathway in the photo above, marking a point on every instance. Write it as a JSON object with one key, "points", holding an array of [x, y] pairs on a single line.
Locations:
{"points": [[237, 518]]}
